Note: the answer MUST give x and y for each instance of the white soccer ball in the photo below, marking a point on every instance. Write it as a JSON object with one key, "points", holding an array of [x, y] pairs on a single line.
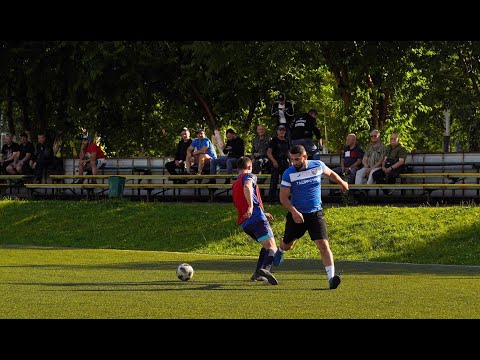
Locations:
{"points": [[184, 272]]}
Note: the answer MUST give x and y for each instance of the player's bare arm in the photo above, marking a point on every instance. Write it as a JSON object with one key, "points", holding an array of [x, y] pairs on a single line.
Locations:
{"points": [[335, 177], [285, 201], [248, 192]]}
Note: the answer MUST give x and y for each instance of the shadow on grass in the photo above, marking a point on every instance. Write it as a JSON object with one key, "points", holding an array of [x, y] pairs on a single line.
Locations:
{"points": [[289, 265]]}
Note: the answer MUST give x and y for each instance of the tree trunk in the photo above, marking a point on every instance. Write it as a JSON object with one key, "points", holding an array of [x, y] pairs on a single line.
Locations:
{"points": [[9, 110], [217, 137]]}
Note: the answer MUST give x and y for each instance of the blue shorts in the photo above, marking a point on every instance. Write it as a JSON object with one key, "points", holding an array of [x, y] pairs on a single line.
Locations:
{"points": [[259, 230]]}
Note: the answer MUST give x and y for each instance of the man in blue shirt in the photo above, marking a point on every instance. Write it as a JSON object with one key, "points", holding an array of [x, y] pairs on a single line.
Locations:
{"points": [[300, 194], [201, 151]]}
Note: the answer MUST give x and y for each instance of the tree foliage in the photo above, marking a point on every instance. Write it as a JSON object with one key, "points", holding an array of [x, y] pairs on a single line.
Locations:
{"points": [[135, 96]]}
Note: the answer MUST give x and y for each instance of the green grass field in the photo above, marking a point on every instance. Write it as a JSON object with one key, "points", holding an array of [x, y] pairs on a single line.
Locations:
{"points": [[116, 259], [44, 283]]}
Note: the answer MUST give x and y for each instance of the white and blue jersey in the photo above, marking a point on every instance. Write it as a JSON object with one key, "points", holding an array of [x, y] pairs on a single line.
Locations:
{"points": [[305, 186]]}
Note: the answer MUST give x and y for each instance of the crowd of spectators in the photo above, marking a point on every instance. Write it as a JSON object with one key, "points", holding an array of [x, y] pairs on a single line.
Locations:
{"points": [[269, 152]]}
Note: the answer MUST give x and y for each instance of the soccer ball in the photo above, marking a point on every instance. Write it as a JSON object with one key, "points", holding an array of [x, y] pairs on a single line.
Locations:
{"points": [[184, 272]]}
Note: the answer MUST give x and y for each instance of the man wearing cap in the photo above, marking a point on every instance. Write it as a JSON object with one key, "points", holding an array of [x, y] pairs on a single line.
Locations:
{"points": [[180, 155], [283, 112], [91, 156], [21, 164], [201, 150], [303, 129]]}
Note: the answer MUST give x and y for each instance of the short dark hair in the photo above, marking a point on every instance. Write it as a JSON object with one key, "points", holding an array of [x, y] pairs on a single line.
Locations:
{"points": [[313, 111], [298, 149], [230, 131], [243, 162], [24, 134]]}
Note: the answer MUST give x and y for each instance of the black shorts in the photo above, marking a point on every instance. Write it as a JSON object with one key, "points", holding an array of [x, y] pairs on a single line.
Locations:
{"points": [[314, 223]]}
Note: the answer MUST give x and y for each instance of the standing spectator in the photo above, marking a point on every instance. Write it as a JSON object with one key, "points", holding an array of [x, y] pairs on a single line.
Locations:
{"points": [[9, 151], [350, 160], [42, 157], [92, 158], [283, 113], [201, 151], [279, 155], [234, 148], [300, 194], [22, 161], [253, 220], [303, 129], [393, 164], [259, 150], [372, 159], [180, 155]]}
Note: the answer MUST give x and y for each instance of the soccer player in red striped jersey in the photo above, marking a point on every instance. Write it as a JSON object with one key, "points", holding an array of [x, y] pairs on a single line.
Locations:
{"points": [[253, 219]]}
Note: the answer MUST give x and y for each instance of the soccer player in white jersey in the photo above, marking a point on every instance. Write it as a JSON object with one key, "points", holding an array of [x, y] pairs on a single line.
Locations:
{"points": [[300, 194]]}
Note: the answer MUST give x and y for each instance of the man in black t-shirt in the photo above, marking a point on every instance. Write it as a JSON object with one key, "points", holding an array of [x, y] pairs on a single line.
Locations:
{"points": [[303, 129], [21, 165], [279, 155], [180, 155], [235, 149], [42, 157], [8, 153]]}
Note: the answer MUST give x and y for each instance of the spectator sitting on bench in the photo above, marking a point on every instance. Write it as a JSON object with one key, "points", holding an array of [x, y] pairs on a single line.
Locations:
{"points": [[180, 156], [9, 152], [372, 159], [201, 150], [42, 158], [259, 155], [92, 158], [234, 149], [350, 161], [21, 165], [393, 164]]}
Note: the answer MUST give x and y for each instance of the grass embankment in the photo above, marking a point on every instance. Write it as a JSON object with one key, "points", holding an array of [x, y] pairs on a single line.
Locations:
{"points": [[425, 235]]}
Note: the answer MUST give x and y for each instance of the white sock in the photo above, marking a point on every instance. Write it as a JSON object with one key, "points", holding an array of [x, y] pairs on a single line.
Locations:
{"points": [[330, 271]]}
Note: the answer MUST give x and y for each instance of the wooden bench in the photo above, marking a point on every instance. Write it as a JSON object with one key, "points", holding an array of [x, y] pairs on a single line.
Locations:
{"points": [[14, 182], [215, 190], [140, 178], [412, 166], [57, 190], [141, 170], [421, 188], [453, 177], [149, 185], [88, 189]]}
